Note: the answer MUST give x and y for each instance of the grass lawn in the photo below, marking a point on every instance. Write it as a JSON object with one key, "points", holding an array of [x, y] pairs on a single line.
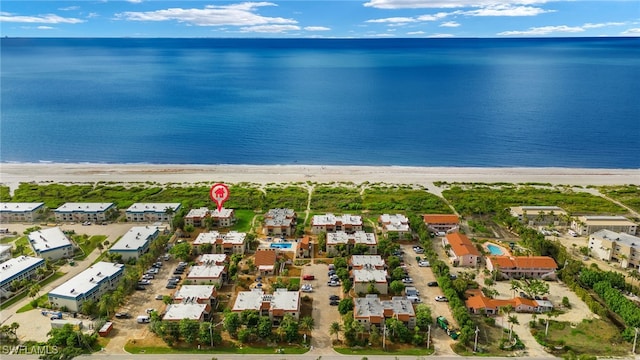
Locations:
{"points": [[24, 240], [243, 220], [134, 349], [8, 239], [42, 299], [89, 245], [53, 277], [591, 337], [409, 351]]}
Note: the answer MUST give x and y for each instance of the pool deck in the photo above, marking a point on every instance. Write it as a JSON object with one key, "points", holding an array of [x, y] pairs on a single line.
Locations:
{"points": [[505, 251]]}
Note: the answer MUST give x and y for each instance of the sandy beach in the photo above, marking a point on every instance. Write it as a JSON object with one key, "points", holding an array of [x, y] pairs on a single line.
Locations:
{"points": [[13, 174]]}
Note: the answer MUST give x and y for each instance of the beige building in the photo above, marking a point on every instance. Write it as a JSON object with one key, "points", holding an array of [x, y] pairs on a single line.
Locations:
{"points": [[441, 223], [232, 242], [367, 261], [207, 274], [369, 275], [461, 251], [350, 240], [397, 223], [332, 223], [539, 215], [222, 218], [152, 212], [588, 224], [79, 212], [275, 305], [517, 267], [370, 310], [618, 247], [20, 212], [279, 222], [190, 310]]}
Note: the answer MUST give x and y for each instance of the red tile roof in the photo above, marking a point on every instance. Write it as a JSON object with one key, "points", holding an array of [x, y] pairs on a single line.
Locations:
{"points": [[461, 245], [304, 243], [441, 219], [265, 257], [524, 262]]}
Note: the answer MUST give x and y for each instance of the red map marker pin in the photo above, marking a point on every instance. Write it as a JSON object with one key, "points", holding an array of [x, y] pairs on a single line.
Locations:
{"points": [[219, 193]]}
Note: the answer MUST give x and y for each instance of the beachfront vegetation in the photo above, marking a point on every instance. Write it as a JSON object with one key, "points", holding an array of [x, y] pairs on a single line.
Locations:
{"points": [[291, 197], [336, 198], [628, 195], [5, 193], [392, 198]]}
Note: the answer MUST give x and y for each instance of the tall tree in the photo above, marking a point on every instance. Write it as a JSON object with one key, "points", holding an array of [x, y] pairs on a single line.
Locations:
{"points": [[335, 329]]}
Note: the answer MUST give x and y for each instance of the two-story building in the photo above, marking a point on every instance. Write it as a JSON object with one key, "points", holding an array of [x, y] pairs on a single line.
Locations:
{"points": [[370, 310], [539, 215], [588, 224], [613, 246], [20, 211], [96, 212], [51, 244], [332, 223], [350, 240], [100, 278], [279, 222], [223, 217], [202, 294], [441, 223], [17, 269], [480, 304], [208, 274], [152, 212], [135, 242], [189, 309], [367, 261], [394, 223], [368, 276], [232, 242], [461, 250], [516, 267], [196, 217], [275, 305]]}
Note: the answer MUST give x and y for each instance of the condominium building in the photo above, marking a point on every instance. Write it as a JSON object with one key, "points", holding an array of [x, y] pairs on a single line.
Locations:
{"points": [[461, 250], [17, 269], [539, 215], [480, 304], [202, 294], [350, 240], [279, 222], [20, 211], [135, 242], [370, 310], [332, 223], [367, 261], [397, 223], [208, 274], [196, 217], [220, 218], [152, 212], [613, 246], [5, 252], [370, 276], [516, 267], [97, 212], [232, 242], [99, 279], [51, 244], [275, 305], [190, 310], [441, 223], [588, 224]]}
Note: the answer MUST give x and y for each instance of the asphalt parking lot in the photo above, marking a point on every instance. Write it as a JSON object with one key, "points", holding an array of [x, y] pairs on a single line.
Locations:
{"points": [[323, 313]]}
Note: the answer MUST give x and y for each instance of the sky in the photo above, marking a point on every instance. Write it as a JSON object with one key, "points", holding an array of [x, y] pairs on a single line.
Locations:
{"points": [[320, 19]]}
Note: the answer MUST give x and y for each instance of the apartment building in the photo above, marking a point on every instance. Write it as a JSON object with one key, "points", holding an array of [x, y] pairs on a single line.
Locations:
{"points": [[516, 267], [441, 223], [279, 222], [152, 212], [275, 305], [589, 224], [394, 223], [461, 251], [80, 212], [370, 310], [20, 211], [17, 269], [51, 244], [539, 215], [135, 242], [350, 240], [618, 247], [332, 223]]}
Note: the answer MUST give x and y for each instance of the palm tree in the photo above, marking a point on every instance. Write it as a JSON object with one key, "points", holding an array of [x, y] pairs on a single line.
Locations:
{"points": [[307, 324], [512, 320], [505, 310], [34, 290], [335, 329], [515, 286]]}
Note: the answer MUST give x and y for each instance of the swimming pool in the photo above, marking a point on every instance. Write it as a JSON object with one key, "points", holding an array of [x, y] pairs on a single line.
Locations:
{"points": [[280, 246], [494, 250]]}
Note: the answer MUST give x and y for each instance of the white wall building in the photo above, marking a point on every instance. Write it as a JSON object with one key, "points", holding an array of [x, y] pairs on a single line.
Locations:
{"points": [[152, 212], [331, 223], [366, 276], [51, 244], [96, 212], [396, 223], [612, 246], [349, 240], [207, 275], [187, 310], [5, 252], [135, 242], [90, 284], [588, 224], [539, 215], [20, 211], [21, 267]]}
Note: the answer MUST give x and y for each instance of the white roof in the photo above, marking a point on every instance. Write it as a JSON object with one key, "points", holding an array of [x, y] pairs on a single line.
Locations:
{"points": [[223, 213], [363, 260], [627, 239], [279, 217], [19, 207], [249, 300], [212, 259], [393, 218], [205, 272], [368, 306], [534, 210], [153, 207], [285, 300], [195, 291], [84, 207], [359, 237], [330, 219], [206, 238], [87, 280], [48, 239], [234, 237], [604, 220], [181, 311], [17, 265], [367, 275], [136, 238], [5, 248], [400, 305], [202, 212]]}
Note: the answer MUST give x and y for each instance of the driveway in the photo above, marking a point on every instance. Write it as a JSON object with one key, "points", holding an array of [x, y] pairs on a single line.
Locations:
{"points": [[323, 313]]}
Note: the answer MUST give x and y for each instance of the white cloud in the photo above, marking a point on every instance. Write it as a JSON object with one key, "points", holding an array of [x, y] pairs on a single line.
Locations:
{"points": [[42, 27], [269, 28], [395, 20], [544, 30], [441, 36], [317, 28], [41, 19], [69, 8], [416, 33], [242, 14], [421, 4], [631, 32], [92, 15], [507, 10], [450, 24], [134, 1], [435, 17]]}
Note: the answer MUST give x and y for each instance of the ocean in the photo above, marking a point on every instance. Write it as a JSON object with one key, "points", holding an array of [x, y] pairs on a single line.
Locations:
{"points": [[560, 102]]}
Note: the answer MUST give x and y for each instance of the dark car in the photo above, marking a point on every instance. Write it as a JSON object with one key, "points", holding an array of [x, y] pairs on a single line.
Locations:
{"points": [[334, 298], [334, 302], [122, 315], [171, 286], [452, 277], [140, 287], [432, 283]]}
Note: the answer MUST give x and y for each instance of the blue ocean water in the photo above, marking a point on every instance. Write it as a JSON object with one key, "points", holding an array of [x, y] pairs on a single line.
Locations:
{"points": [[423, 102]]}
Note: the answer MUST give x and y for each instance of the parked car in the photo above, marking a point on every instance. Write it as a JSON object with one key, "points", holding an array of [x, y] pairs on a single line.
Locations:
{"points": [[171, 286], [424, 263], [144, 282], [308, 277], [140, 287], [334, 302], [432, 283], [441, 298], [150, 310], [452, 276], [332, 267], [331, 272], [418, 249], [159, 297], [333, 283], [407, 280], [167, 257], [334, 297], [306, 288], [122, 315]]}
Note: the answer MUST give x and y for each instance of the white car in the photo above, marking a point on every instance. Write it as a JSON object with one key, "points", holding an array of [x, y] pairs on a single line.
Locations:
{"points": [[407, 280], [333, 283], [441, 298], [306, 288], [424, 263]]}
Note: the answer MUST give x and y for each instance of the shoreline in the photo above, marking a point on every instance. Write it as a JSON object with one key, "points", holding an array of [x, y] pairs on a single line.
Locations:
{"points": [[12, 174]]}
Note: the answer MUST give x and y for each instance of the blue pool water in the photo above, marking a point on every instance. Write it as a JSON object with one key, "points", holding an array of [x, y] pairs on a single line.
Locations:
{"points": [[281, 246], [494, 250]]}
